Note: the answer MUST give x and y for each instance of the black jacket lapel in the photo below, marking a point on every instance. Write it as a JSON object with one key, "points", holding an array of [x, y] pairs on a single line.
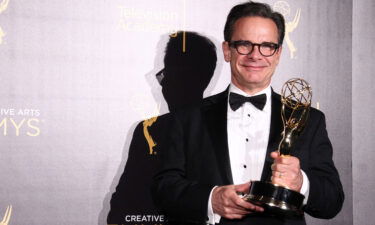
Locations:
{"points": [[276, 128], [215, 111]]}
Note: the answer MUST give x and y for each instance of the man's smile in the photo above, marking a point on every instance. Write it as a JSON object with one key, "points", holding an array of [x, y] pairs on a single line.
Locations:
{"points": [[253, 67]]}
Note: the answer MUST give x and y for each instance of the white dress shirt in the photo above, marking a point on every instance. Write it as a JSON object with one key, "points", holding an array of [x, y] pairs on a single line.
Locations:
{"points": [[248, 132]]}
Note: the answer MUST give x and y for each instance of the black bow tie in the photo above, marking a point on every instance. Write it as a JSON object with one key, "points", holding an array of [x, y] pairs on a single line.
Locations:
{"points": [[236, 101]]}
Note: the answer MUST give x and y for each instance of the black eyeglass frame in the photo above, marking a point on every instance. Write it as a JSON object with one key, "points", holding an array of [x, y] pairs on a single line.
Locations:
{"points": [[236, 44]]}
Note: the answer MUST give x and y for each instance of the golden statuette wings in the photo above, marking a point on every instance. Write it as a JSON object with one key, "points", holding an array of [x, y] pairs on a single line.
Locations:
{"points": [[4, 5], [289, 27], [7, 216]]}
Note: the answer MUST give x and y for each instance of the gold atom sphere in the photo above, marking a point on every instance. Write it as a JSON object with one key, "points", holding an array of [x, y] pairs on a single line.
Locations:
{"points": [[296, 93]]}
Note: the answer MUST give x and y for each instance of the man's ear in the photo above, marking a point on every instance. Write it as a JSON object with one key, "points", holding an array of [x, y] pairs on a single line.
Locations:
{"points": [[226, 51]]}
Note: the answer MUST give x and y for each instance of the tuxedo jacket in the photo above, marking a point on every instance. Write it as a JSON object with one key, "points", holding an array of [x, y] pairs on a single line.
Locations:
{"points": [[195, 158]]}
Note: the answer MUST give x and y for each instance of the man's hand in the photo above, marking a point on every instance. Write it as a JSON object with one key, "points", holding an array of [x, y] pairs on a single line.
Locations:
{"points": [[286, 171], [227, 203]]}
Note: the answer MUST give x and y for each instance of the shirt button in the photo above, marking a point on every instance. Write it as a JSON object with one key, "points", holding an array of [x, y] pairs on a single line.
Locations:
{"points": [[248, 115], [247, 139], [244, 166]]}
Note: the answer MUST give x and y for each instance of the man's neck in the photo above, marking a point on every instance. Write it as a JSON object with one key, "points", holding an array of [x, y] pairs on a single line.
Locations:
{"points": [[250, 92]]}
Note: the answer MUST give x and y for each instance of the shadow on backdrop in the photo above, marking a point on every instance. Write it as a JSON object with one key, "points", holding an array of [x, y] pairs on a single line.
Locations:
{"points": [[189, 64]]}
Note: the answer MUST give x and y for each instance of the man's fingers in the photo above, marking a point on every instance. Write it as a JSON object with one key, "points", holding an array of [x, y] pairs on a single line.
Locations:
{"points": [[279, 167], [239, 204], [283, 159], [227, 203], [248, 206], [275, 154], [233, 216], [235, 213], [242, 215], [278, 181]]}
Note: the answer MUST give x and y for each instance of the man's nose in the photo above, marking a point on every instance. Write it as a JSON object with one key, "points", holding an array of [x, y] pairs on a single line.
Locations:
{"points": [[255, 53]]}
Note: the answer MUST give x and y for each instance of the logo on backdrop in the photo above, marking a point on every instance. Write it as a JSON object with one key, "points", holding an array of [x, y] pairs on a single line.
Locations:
{"points": [[149, 113], [159, 19], [150, 141], [7, 215], [3, 7], [284, 8], [19, 122]]}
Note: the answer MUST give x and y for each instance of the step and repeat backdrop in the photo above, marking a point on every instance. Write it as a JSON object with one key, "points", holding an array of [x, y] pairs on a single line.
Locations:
{"points": [[79, 88]]}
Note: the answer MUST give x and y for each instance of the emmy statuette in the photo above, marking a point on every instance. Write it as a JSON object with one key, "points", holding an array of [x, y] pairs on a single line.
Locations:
{"points": [[275, 199]]}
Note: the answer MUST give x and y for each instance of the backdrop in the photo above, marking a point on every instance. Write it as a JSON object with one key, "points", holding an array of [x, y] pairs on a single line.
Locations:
{"points": [[77, 76]]}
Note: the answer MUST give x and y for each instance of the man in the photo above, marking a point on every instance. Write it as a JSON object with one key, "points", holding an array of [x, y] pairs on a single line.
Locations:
{"points": [[185, 76], [216, 149]]}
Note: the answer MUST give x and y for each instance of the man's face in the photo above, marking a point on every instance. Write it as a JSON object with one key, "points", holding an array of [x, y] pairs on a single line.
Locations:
{"points": [[252, 73]]}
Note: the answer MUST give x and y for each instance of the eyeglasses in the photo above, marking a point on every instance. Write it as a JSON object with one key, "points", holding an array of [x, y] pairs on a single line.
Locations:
{"points": [[160, 76], [246, 47]]}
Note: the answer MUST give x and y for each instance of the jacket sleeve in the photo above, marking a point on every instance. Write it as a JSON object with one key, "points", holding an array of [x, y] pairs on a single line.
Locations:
{"points": [[326, 194]]}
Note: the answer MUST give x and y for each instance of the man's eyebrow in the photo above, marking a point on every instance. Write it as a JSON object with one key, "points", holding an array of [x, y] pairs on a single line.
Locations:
{"points": [[264, 42], [246, 41]]}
